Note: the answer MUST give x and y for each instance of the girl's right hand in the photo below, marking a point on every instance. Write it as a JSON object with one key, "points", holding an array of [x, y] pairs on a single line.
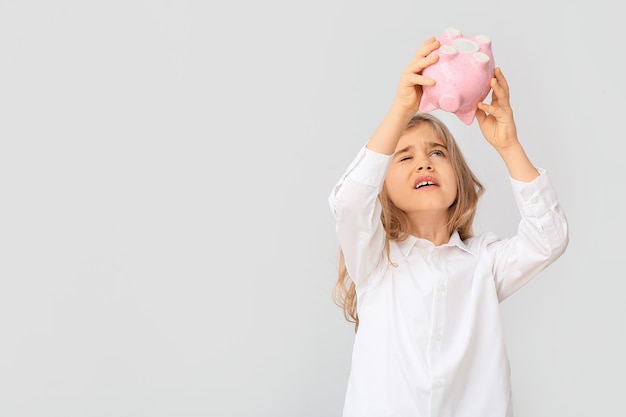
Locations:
{"points": [[409, 91]]}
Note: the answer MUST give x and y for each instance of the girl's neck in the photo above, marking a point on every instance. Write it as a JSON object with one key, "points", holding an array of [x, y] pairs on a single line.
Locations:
{"points": [[432, 229]]}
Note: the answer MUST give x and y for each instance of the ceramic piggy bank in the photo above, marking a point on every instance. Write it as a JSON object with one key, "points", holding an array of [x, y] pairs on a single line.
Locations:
{"points": [[462, 75]]}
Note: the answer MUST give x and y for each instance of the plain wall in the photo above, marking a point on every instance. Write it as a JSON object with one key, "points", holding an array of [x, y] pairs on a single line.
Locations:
{"points": [[166, 245]]}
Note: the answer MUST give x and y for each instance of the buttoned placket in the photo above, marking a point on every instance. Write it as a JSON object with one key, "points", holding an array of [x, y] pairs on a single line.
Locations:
{"points": [[439, 306]]}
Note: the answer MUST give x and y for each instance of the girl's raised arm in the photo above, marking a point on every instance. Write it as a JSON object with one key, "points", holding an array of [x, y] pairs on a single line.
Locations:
{"points": [[498, 127], [407, 100]]}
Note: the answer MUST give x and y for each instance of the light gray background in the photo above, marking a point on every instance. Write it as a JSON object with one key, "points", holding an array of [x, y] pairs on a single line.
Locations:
{"points": [[166, 246]]}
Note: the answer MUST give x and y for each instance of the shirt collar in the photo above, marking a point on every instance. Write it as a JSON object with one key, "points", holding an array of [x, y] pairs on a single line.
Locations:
{"points": [[455, 240]]}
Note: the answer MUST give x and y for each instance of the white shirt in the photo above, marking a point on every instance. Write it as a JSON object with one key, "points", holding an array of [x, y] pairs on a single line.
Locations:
{"points": [[430, 341]]}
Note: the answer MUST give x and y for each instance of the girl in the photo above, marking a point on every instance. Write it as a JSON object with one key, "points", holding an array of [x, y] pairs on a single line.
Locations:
{"points": [[424, 293]]}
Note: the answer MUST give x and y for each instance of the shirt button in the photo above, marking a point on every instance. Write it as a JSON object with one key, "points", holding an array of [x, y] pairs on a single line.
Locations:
{"points": [[438, 384], [534, 200], [438, 337], [442, 287]]}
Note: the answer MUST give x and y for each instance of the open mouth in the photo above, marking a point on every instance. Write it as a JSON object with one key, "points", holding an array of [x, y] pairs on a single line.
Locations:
{"points": [[424, 184], [425, 181]]}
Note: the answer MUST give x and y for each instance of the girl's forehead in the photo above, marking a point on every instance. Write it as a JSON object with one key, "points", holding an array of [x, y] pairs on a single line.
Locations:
{"points": [[422, 134]]}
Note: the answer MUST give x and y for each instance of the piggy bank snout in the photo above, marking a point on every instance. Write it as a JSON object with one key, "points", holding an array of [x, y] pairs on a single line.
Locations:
{"points": [[450, 103]]}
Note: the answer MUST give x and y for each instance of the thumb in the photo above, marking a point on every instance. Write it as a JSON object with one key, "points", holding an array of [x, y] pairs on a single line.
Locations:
{"points": [[480, 114]]}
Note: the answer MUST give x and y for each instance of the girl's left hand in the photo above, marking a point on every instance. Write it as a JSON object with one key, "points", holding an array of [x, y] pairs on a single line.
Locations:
{"points": [[496, 119]]}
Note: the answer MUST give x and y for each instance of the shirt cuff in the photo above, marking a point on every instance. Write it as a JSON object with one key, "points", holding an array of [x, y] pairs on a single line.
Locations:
{"points": [[536, 197], [369, 167]]}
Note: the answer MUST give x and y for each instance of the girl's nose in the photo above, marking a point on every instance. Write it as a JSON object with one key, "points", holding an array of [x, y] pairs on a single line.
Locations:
{"points": [[423, 166]]}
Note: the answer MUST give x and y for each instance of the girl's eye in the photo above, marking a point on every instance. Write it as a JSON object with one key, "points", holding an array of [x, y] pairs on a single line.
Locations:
{"points": [[437, 153], [405, 158]]}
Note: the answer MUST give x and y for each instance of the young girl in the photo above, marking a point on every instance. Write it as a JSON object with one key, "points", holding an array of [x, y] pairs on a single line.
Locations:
{"points": [[424, 293]]}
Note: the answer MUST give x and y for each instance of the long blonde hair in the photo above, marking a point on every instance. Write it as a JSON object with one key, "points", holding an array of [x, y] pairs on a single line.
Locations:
{"points": [[396, 223]]}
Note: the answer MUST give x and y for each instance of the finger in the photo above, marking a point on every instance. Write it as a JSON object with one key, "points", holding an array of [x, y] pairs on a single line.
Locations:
{"points": [[500, 86], [418, 65], [418, 79], [495, 98], [499, 95], [480, 114], [501, 78], [486, 108], [498, 112], [426, 48]]}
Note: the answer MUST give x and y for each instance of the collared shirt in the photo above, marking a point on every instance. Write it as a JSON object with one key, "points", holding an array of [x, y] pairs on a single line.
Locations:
{"points": [[430, 340]]}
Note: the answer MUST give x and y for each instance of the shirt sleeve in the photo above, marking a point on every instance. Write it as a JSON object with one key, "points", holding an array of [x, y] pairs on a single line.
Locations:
{"points": [[355, 205], [541, 238]]}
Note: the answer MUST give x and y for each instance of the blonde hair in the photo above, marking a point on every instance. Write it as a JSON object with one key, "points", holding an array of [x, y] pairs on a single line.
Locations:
{"points": [[396, 223]]}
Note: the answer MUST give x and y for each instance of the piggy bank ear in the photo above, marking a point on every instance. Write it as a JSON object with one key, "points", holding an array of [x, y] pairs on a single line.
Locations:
{"points": [[426, 104], [467, 117]]}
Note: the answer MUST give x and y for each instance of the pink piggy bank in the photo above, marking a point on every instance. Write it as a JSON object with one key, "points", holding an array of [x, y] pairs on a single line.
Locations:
{"points": [[462, 75]]}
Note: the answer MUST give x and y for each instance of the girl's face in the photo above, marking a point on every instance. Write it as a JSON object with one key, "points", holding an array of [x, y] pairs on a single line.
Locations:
{"points": [[421, 178]]}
